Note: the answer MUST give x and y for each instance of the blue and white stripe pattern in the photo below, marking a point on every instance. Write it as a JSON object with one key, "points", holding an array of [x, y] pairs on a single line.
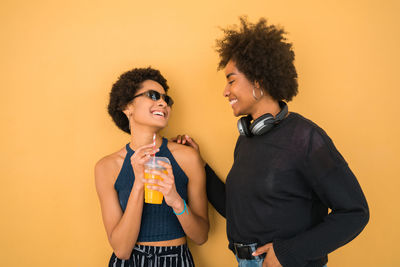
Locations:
{"points": [[150, 256]]}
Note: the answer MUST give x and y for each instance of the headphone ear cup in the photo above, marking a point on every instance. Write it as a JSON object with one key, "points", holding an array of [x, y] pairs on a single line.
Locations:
{"points": [[243, 126], [262, 124]]}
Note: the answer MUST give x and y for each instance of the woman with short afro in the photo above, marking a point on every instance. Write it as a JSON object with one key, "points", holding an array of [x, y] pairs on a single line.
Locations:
{"points": [[140, 232]]}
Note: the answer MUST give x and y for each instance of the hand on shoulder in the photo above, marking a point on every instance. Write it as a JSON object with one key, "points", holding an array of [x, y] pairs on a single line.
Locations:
{"points": [[185, 139]]}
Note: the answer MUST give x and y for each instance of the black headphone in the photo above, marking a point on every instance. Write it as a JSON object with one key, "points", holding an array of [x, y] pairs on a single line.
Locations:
{"points": [[262, 124]]}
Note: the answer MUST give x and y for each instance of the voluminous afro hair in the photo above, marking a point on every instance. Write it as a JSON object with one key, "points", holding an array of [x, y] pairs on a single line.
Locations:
{"points": [[261, 53], [125, 88]]}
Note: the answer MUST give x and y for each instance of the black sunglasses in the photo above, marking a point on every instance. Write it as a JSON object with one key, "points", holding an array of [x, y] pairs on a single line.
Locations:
{"points": [[155, 96]]}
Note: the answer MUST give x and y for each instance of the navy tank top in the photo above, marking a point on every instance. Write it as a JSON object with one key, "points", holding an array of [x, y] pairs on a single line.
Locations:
{"points": [[159, 222]]}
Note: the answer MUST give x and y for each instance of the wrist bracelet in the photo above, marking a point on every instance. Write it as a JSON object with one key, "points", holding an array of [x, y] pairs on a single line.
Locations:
{"points": [[184, 209]]}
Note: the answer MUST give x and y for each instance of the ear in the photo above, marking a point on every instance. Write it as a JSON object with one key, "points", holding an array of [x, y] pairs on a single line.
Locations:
{"points": [[128, 110], [258, 85]]}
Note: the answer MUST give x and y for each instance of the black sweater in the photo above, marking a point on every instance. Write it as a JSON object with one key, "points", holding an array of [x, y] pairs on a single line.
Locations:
{"points": [[280, 188]]}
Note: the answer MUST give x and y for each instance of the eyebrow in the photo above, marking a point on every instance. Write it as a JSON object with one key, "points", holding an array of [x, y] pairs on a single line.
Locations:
{"points": [[230, 74], [153, 89]]}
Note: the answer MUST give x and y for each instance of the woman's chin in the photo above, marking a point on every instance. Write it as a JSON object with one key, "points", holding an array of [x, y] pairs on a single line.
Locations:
{"points": [[160, 125], [237, 113]]}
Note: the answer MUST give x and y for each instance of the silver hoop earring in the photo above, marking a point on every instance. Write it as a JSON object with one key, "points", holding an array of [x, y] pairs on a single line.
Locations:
{"points": [[254, 94]]}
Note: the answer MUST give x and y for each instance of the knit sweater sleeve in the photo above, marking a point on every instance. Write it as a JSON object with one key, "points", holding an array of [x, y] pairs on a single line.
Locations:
{"points": [[336, 187], [215, 190]]}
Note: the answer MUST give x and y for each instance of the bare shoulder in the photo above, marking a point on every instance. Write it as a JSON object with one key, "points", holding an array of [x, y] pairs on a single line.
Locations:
{"points": [[108, 167], [188, 159], [185, 154]]}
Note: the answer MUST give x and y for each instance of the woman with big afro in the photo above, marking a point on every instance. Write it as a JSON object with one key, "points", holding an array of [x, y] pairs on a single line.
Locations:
{"points": [[287, 173]]}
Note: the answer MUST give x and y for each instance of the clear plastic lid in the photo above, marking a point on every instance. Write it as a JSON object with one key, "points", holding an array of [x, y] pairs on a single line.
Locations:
{"points": [[153, 163]]}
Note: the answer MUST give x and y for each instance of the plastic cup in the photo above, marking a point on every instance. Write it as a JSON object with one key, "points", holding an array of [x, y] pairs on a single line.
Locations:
{"points": [[153, 196]]}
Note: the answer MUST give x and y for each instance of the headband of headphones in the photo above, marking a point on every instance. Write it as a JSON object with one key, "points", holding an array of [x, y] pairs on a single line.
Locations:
{"points": [[282, 114], [263, 123]]}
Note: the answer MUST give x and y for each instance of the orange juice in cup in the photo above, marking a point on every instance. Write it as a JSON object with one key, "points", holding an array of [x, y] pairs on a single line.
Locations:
{"points": [[153, 196]]}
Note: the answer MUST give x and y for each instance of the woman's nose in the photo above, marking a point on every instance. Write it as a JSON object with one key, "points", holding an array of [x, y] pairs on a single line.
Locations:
{"points": [[226, 91], [161, 102]]}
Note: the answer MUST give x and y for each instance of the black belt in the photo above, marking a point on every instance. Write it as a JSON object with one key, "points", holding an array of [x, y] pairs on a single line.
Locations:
{"points": [[245, 251]]}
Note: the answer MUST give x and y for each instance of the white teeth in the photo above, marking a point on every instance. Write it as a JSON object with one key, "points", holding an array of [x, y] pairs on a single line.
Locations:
{"points": [[233, 101], [158, 113]]}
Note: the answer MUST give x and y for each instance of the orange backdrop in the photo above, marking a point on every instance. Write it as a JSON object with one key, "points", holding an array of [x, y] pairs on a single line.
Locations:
{"points": [[60, 58]]}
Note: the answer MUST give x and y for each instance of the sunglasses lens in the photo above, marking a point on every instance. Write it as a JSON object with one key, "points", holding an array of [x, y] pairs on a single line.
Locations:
{"points": [[168, 100], [154, 95]]}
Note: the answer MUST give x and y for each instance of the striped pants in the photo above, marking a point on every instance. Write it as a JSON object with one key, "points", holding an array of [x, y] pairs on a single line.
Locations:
{"points": [[149, 256]]}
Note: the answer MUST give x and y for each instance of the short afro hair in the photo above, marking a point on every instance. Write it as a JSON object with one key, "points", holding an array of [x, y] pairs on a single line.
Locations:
{"points": [[261, 53], [125, 88]]}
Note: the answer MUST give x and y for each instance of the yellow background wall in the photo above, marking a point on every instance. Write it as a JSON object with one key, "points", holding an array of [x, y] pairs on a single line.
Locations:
{"points": [[60, 58]]}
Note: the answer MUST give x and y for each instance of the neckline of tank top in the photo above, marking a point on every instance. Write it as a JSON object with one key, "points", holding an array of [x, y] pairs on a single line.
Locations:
{"points": [[163, 144]]}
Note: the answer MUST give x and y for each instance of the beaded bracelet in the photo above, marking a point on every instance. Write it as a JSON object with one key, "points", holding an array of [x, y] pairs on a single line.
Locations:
{"points": [[184, 209]]}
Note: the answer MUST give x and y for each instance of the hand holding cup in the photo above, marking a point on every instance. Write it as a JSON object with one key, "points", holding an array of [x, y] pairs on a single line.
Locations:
{"points": [[163, 181]]}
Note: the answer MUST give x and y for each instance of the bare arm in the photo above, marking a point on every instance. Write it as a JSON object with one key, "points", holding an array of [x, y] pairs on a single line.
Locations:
{"points": [[215, 186], [195, 221], [122, 227]]}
